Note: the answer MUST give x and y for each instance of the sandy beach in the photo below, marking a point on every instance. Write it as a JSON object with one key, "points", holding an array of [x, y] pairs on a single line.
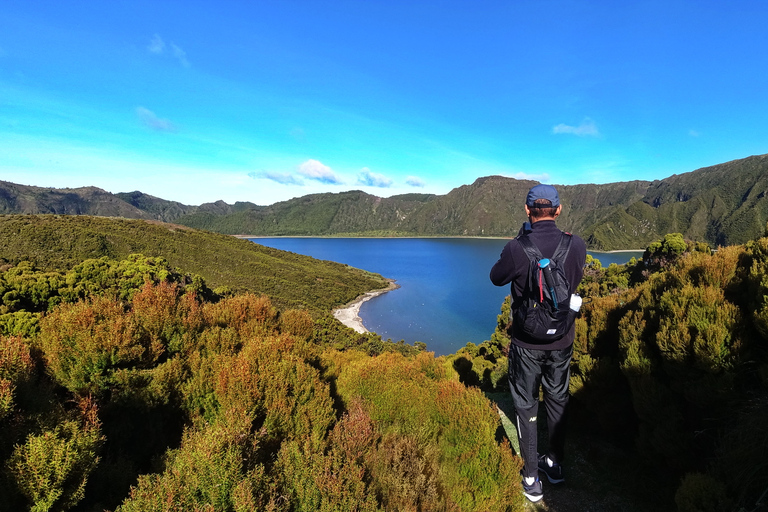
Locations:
{"points": [[349, 315]]}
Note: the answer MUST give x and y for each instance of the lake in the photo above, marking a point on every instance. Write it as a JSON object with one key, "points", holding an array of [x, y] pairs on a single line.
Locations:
{"points": [[445, 299]]}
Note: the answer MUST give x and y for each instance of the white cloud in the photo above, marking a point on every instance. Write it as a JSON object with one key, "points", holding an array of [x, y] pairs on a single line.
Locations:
{"points": [[586, 128], [315, 170], [283, 178], [150, 120], [180, 54], [372, 179], [415, 181], [156, 45]]}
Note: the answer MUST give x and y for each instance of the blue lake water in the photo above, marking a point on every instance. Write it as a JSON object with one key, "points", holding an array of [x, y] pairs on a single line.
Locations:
{"points": [[445, 299]]}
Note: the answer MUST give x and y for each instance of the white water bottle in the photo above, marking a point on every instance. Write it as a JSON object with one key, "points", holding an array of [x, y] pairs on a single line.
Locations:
{"points": [[575, 302]]}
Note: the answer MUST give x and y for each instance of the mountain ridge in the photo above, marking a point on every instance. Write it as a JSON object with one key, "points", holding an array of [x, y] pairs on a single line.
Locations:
{"points": [[721, 204]]}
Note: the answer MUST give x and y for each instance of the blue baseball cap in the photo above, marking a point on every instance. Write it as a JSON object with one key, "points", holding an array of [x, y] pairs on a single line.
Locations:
{"points": [[542, 191]]}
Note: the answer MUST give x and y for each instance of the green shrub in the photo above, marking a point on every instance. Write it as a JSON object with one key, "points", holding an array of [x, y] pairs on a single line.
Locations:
{"points": [[205, 473], [86, 342], [297, 323], [674, 357], [296, 401], [16, 366], [756, 283], [318, 482], [26, 288], [6, 397], [433, 424], [406, 474], [52, 468], [20, 323]]}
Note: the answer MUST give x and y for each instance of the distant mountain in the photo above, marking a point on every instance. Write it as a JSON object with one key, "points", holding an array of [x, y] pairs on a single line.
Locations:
{"points": [[65, 201], [26, 199], [159, 209], [722, 205], [169, 211]]}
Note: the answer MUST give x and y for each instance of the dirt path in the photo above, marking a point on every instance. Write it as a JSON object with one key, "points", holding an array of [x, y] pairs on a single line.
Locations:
{"points": [[600, 477]]}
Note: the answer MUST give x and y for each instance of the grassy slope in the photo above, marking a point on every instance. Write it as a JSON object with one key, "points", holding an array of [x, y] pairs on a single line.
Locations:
{"points": [[291, 280]]}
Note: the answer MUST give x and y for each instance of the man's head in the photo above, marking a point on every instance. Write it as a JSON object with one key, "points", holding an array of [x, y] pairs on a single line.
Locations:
{"points": [[542, 203]]}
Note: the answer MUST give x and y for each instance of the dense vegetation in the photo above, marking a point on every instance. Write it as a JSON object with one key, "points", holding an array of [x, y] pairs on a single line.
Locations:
{"points": [[671, 351], [127, 384], [226, 263], [722, 205]]}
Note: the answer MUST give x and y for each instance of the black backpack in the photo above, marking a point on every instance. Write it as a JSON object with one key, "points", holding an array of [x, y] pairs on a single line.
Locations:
{"points": [[544, 314]]}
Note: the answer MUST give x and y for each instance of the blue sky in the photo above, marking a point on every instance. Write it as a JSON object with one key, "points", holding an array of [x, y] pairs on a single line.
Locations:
{"points": [[262, 101]]}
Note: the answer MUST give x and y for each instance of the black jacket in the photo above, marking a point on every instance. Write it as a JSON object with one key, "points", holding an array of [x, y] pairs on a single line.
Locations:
{"points": [[513, 265]]}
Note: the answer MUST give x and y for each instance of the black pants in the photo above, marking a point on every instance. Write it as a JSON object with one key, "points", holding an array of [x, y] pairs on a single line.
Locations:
{"points": [[529, 369]]}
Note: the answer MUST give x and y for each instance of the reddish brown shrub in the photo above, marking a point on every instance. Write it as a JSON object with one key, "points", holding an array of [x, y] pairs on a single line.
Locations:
{"points": [[297, 322], [15, 358], [239, 311], [84, 343]]}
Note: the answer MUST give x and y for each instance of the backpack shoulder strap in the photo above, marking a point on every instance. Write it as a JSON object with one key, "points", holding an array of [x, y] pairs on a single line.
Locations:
{"points": [[534, 255], [530, 249], [563, 247]]}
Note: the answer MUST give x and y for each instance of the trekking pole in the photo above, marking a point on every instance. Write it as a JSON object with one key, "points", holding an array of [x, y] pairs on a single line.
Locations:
{"points": [[547, 271]]}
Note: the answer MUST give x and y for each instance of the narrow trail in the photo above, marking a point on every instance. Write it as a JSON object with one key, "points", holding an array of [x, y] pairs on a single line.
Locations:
{"points": [[599, 476]]}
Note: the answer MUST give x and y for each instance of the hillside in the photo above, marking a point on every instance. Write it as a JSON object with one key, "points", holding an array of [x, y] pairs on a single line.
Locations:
{"points": [[169, 211], [68, 201], [721, 205], [54, 242], [129, 385]]}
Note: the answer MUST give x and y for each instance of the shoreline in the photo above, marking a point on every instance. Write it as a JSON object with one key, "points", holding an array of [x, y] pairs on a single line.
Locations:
{"points": [[349, 314], [417, 237]]}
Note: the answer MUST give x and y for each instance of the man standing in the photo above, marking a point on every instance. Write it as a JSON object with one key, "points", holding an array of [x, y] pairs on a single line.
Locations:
{"points": [[535, 363]]}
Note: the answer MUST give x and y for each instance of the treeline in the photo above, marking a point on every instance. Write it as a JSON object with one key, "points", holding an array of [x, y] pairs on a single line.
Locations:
{"points": [[128, 385], [671, 354]]}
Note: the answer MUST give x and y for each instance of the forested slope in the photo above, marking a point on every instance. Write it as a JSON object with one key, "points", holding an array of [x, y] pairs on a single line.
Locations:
{"points": [[721, 205]]}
